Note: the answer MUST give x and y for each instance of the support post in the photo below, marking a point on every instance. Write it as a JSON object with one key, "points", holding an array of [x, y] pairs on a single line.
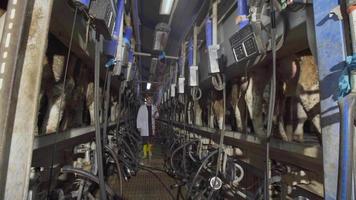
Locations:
{"points": [[331, 54], [33, 50], [9, 48]]}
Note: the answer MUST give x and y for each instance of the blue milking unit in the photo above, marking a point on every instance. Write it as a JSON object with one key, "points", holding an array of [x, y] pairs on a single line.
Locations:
{"points": [[110, 46], [119, 47]]}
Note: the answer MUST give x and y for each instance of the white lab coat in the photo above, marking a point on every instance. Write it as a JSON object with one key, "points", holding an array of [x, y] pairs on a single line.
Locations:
{"points": [[142, 119]]}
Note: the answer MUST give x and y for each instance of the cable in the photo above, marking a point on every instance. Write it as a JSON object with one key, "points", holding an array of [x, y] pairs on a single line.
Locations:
{"points": [[272, 99], [218, 81], [222, 134], [198, 172], [177, 149], [90, 176], [117, 163], [106, 105], [54, 149], [98, 136], [196, 93]]}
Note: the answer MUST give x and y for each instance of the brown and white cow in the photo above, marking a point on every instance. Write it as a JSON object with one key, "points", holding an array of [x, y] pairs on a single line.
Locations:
{"points": [[90, 101], [258, 78], [52, 89], [198, 117], [303, 89], [237, 100], [297, 78]]}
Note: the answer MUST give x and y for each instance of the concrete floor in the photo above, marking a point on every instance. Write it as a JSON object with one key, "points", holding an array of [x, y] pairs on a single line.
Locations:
{"points": [[145, 186]]}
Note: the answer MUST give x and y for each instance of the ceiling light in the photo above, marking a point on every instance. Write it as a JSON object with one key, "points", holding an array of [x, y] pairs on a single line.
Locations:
{"points": [[166, 7], [148, 86]]}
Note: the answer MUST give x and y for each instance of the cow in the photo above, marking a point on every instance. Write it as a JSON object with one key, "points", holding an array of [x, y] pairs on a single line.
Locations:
{"points": [[297, 78], [197, 109], [257, 79], [52, 87], [238, 91], [301, 85]]}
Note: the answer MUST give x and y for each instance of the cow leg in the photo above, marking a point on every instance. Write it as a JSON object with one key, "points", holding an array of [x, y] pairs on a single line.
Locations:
{"points": [[254, 101], [78, 107], [211, 115], [237, 107], [281, 112], [316, 123], [90, 101], [189, 112], [291, 117], [55, 109], [219, 112], [58, 67], [301, 118], [198, 114], [113, 111], [238, 118], [53, 115], [310, 103]]}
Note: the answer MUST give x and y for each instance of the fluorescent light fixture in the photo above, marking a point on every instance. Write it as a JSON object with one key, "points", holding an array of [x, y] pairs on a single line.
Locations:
{"points": [[166, 7], [148, 86]]}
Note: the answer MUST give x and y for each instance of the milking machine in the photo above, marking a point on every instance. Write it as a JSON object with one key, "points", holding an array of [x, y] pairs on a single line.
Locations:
{"points": [[115, 151], [207, 174], [193, 67], [211, 33], [193, 165]]}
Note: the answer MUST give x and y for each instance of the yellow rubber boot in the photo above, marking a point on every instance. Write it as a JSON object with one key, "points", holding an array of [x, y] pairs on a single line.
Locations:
{"points": [[145, 150], [149, 151]]}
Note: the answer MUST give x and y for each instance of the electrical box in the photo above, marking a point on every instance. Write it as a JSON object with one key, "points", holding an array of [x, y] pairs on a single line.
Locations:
{"points": [[104, 14], [246, 43], [173, 90], [193, 76], [181, 85], [213, 58], [161, 36], [154, 62]]}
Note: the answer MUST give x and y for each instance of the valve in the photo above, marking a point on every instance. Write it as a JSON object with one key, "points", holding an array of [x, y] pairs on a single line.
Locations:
{"points": [[215, 183]]}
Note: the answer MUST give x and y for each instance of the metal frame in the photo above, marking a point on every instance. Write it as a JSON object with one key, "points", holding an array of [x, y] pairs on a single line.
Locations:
{"points": [[24, 124], [9, 48], [301, 155], [331, 54]]}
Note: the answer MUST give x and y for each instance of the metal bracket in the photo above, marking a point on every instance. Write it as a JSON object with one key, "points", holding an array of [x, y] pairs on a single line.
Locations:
{"points": [[336, 12]]}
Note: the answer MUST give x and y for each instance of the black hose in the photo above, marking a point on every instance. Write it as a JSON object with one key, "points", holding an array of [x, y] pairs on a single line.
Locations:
{"points": [[117, 163], [198, 172], [106, 107], [177, 149], [98, 139], [272, 101], [90, 176]]}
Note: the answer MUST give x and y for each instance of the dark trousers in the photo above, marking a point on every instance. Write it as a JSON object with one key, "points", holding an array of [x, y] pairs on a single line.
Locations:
{"points": [[146, 139]]}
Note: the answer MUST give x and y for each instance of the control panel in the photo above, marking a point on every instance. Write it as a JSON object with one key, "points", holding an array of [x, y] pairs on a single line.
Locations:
{"points": [[246, 43], [104, 13]]}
